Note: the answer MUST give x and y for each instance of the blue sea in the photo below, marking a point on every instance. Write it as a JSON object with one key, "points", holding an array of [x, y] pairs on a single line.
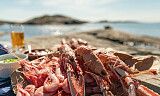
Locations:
{"points": [[144, 29]]}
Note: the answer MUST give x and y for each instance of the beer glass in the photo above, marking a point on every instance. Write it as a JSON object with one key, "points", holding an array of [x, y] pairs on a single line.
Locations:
{"points": [[17, 35]]}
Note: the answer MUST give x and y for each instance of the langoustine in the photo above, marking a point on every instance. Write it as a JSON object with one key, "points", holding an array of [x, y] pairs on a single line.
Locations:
{"points": [[72, 70], [114, 67], [80, 71]]}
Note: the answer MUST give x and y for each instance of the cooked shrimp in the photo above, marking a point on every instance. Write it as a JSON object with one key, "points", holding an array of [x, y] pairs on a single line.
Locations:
{"points": [[21, 91], [51, 83], [40, 92], [65, 86], [30, 89], [59, 75]]}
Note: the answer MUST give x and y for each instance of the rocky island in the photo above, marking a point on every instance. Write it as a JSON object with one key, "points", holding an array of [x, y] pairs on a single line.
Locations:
{"points": [[55, 19], [106, 21], [59, 20], [1, 22], [48, 20]]}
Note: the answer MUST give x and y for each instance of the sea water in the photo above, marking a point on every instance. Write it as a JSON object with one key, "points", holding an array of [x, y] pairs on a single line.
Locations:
{"points": [[144, 29]]}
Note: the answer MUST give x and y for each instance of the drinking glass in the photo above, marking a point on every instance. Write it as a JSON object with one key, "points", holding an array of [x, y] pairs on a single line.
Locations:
{"points": [[17, 35]]}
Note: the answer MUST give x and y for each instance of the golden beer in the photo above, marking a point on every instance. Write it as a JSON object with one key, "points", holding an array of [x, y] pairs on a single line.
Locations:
{"points": [[17, 35], [17, 39]]}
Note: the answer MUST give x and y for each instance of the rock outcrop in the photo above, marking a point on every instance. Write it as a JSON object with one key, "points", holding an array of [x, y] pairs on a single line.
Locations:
{"points": [[56, 19]]}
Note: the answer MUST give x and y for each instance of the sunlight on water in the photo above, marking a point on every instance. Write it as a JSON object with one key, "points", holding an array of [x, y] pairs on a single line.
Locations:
{"points": [[146, 29]]}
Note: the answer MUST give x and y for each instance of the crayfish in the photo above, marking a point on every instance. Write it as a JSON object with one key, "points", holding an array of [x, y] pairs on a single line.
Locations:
{"points": [[80, 71]]}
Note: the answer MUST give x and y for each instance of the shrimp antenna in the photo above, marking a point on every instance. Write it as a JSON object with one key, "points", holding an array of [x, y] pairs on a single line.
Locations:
{"points": [[16, 56]]}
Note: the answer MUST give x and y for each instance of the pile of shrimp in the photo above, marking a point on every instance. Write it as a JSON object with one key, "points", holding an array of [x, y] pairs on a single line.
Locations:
{"points": [[80, 71], [47, 78]]}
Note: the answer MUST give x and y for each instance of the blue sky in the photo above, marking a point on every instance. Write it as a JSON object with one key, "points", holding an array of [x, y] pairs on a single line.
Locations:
{"points": [[91, 10]]}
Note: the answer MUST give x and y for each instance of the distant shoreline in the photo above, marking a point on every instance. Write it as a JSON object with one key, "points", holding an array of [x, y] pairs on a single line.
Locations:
{"points": [[61, 20]]}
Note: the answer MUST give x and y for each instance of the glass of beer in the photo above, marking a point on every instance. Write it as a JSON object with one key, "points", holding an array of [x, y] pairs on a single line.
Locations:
{"points": [[17, 35]]}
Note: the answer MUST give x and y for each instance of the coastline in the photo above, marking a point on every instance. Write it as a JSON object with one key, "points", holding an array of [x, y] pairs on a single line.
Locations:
{"points": [[103, 39]]}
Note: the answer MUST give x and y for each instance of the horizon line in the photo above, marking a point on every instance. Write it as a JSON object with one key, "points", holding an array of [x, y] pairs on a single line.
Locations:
{"points": [[89, 21]]}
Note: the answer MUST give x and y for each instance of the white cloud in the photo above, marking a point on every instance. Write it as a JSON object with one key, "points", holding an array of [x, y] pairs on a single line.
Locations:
{"points": [[24, 1], [92, 10], [16, 14], [74, 3], [83, 9]]}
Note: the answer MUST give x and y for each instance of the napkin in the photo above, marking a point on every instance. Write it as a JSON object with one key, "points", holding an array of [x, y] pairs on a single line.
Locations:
{"points": [[5, 87], [3, 50]]}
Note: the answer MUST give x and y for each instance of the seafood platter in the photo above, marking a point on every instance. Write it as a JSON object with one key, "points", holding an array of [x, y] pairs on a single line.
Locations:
{"points": [[78, 69]]}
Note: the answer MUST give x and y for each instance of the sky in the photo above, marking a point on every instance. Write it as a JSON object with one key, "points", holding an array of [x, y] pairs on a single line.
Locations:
{"points": [[90, 10]]}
